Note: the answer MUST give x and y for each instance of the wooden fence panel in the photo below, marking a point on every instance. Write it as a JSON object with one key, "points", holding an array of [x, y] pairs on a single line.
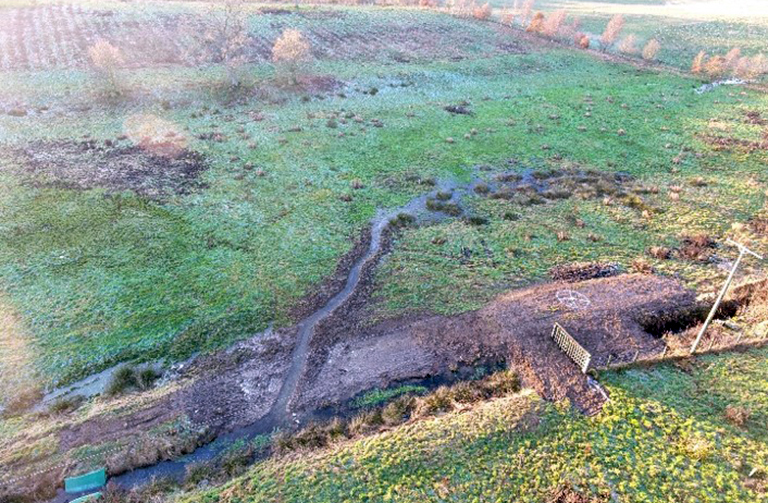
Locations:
{"points": [[571, 347]]}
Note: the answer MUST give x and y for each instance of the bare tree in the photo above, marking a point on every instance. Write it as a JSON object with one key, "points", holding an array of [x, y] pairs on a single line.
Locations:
{"points": [[225, 38]]}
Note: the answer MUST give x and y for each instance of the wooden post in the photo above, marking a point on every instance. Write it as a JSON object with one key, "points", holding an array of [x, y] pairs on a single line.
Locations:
{"points": [[608, 364], [664, 353], [637, 353], [743, 250]]}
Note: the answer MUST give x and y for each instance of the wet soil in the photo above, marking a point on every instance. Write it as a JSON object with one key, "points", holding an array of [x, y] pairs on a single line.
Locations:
{"points": [[116, 168], [515, 327]]}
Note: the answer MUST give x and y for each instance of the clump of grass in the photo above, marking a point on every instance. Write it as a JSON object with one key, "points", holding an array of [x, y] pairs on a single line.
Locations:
{"points": [[476, 220], [443, 196], [441, 400], [398, 410], [737, 415], [482, 188], [124, 379], [402, 220], [66, 405]]}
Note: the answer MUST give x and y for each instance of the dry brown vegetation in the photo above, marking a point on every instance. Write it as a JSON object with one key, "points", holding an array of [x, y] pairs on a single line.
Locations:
{"points": [[628, 44], [105, 60], [554, 23], [482, 12], [611, 32], [698, 62], [651, 50], [290, 52], [536, 24]]}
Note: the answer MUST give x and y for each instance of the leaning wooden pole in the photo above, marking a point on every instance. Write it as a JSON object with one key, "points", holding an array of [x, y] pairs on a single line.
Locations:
{"points": [[743, 250]]}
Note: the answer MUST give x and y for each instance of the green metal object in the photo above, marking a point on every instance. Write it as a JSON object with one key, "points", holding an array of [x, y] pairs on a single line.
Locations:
{"points": [[88, 499], [93, 480]]}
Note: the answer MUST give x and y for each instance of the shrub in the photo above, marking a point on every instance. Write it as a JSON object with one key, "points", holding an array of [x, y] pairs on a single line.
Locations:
{"points": [[65, 405], [581, 40], [508, 18], [715, 66], [698, 62], [553, 23], [365, 422], [751, 68], [502, 383], [398, 410], [611, 32], [291, 51], [651, 50], [483, 12], [732, 58], [105, 60], [536, 24], [628, 44]]}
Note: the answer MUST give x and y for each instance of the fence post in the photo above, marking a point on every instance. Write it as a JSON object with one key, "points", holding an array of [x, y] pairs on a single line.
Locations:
{"points": [[634, 358], [664, 353]]}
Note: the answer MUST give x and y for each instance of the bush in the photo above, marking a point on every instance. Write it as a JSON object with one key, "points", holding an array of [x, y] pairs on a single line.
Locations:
{"points": [[715, 66], [732, 58], [65, 405], [226, 37], [483, 12], [628, 44], [291, 51], [105, 60], [553, 24], [611, 32], [581, 40], [698, 62], [536, 24], [651, 50]]}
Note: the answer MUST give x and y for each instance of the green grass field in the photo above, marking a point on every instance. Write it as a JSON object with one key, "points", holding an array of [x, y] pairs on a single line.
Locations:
{"points": [[93, 274], [98, 279]]}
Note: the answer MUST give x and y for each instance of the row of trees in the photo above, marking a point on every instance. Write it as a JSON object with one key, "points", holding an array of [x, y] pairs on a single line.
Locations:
{"points": [[554, 25]]}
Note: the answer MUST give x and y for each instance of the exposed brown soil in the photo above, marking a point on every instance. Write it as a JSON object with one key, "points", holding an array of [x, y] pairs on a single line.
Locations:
{"points": [[728, 143], [117, 168], [516, 327], [753, 117], [583, 271]]}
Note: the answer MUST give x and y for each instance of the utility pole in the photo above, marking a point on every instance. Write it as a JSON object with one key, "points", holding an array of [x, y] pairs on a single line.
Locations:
{"points": [[743, 250]]}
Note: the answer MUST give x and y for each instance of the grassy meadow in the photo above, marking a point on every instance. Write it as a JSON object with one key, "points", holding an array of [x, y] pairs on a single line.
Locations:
{"points": [[291, 178]]}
